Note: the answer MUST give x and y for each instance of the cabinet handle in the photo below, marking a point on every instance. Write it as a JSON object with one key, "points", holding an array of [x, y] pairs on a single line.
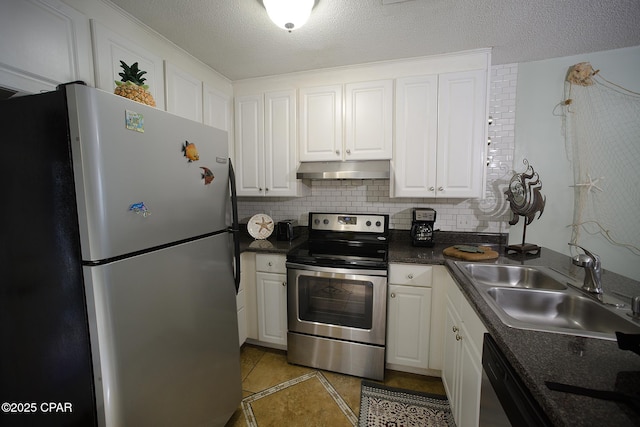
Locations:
{"points": [[266, 189], [432, 188], [260, 189], [337, 152], [440, 189], [270, 264], [455, 329], [458, 337], [348, 151], [393, 295], [410, 276], [284, 284]]}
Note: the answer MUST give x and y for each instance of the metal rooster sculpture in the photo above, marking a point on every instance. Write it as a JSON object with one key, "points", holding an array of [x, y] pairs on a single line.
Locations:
{"points": [[525, 199]]}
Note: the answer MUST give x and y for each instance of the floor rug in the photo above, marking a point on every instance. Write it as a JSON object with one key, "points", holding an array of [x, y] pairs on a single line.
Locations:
{"points": [[284, 404], [382, 406]]}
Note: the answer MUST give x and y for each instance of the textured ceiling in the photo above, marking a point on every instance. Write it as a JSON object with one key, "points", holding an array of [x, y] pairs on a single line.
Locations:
{"points": [[237, 39]]}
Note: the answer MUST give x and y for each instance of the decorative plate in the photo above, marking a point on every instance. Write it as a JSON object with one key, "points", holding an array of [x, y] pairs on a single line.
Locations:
{"points": [[260, 226]]}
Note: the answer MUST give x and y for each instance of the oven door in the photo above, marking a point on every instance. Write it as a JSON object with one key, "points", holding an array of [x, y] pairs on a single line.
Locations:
{"points": [[345, 304]]}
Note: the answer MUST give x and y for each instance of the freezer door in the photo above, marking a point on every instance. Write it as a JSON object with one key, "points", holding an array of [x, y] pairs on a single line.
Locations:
{"points": [[45, 353], [163, 179], [164, 335]]}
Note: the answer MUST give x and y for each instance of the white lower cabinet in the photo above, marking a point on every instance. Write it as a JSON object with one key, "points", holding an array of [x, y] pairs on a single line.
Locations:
{"points": [[271, 297], [462, 363], [241, 307], [246, 299], [409, 317]]}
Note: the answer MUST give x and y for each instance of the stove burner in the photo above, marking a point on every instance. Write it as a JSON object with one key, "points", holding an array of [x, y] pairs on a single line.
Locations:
{"points": [[345, 240]]}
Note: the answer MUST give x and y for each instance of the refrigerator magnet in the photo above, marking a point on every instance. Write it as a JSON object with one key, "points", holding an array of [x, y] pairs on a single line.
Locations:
{"points": [[134, 121], [207, 175], [190, 151], [139, 209]]}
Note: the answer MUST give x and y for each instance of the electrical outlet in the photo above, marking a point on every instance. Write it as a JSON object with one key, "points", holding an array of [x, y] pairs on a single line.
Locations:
{"points": [[463, 221]]}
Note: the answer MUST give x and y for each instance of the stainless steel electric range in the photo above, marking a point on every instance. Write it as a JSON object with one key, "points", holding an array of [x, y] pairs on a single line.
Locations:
{"points": [[337, 295]]}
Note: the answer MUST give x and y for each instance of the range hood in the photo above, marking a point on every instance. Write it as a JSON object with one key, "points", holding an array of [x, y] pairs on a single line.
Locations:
{"points": [[364, 169]]}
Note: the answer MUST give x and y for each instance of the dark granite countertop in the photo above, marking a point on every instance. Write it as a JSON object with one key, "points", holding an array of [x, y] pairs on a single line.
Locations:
{"points": [[270, 245], [535, 356], [540, 356]]}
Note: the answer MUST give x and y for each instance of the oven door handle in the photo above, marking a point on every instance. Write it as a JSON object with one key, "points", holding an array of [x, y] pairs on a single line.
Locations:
{"points": [[335, 270]]}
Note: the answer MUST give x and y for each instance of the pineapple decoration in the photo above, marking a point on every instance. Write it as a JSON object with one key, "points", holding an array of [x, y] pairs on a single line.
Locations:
{"points": [[132, 85]]}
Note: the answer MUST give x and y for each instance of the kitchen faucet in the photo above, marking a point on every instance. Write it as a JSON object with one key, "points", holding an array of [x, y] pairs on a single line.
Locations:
{"points": [[593, 270]]}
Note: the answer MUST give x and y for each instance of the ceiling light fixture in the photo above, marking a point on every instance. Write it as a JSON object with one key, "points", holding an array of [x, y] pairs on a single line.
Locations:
{"points": [[289, 14]]}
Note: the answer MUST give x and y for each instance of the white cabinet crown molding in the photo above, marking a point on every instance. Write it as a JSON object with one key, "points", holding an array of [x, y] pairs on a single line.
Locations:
{"points": [[45, 43], [183, 93], [110, 48]]}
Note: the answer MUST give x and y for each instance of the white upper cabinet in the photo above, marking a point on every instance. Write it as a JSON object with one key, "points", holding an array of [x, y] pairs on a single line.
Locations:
{"points": [[265, 132], [110, 48], [361, 130], [44, 43], [321, 123], [462, 134], [249, 133], [216, 108], [183, 93], [416, 136], [369, 120], [441, 135]]}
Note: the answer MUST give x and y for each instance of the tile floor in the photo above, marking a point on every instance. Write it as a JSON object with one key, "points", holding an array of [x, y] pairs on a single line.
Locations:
{"points": [[263, 368]]}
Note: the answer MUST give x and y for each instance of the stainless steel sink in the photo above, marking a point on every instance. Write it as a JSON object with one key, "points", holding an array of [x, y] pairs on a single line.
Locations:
{"points": [[541, 299], [513, 275]]}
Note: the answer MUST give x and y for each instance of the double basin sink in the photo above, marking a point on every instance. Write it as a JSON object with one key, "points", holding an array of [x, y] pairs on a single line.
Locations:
{"points": [[539, 298]]}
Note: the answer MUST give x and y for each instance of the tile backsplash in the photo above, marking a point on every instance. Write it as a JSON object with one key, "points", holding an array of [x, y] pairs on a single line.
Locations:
{"points": [[490, 214]]}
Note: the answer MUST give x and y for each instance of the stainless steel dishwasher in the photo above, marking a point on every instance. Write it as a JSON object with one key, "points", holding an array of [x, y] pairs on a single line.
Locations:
{"points": [[504, 400]]}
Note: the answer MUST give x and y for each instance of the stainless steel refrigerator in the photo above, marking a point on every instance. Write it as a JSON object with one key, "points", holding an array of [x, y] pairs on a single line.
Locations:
{"points": [[117, 273]]}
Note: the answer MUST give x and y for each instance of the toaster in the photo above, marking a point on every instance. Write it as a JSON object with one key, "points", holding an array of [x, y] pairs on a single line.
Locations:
{"points": [[286, 230]]}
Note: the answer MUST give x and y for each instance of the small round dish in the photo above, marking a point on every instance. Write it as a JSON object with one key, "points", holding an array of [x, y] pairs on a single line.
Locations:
{"points": [[260, 226]]}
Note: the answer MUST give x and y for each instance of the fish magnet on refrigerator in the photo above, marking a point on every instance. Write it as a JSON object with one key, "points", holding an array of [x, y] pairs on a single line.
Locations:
{"points": [[190, 152], [207, 175]]}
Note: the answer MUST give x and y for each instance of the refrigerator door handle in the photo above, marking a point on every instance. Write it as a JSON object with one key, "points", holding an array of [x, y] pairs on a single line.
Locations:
{"points": [[235, 227]]}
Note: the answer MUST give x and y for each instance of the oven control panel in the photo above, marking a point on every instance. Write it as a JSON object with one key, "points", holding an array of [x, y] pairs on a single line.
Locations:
{"points": [[349, 222]]}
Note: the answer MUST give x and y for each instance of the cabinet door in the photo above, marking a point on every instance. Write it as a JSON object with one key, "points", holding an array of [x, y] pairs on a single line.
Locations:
{"points": [[470, 383], [321, 123], [462, 133], [110, 48], [272, 307], [44, 43], [216, 108], [368, 120], [242, 313], [441, 280], [249, 134], [280, 143], [408, 326], [416, 137], [184, 93], [451, 362]]}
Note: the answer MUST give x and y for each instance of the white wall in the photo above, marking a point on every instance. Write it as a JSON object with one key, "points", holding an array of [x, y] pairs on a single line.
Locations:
{"points": [[539, 138]]}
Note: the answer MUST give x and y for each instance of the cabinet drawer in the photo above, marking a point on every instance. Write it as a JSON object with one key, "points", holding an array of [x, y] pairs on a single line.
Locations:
{"points": [[271, 263], [410, 274]]}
